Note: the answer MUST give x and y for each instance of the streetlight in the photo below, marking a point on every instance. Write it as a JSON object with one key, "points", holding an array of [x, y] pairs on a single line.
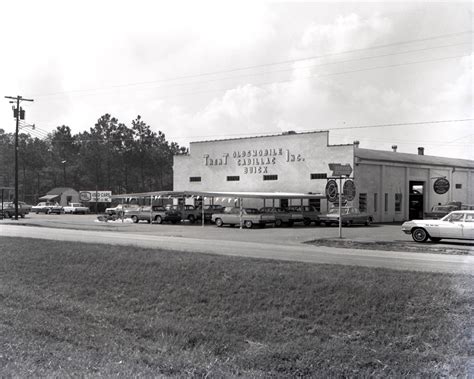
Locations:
{"points": [[64, 171]]}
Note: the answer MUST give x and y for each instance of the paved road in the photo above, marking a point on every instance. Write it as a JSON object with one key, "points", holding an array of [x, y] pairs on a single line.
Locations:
{"points": [[291, 252]]}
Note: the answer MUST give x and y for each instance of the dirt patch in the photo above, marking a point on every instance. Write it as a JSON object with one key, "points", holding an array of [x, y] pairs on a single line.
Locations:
{"points": [[393, 246]]}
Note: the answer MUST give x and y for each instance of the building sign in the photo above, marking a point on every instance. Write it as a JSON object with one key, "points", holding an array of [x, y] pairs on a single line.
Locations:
{"points": [[254, 161], [331, 191], [340, 169], [441, 186], [349, 190], [96, 196]]}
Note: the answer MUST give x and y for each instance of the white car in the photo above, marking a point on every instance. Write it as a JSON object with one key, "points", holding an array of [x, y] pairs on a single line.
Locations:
{"points": [[76, 208], [456, 225]]}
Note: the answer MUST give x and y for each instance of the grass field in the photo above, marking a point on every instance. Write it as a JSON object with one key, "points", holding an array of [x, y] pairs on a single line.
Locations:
{"points": [[79, 309]]}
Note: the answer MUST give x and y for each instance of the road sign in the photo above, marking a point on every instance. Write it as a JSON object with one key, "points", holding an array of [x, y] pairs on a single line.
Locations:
{"points": [[349, 190], [340, 169], [331, 191]]}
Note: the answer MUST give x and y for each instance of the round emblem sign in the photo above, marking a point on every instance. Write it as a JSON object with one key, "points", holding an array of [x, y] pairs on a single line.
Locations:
{"points": [[331, 191], [441, 185], [85, 196], [349, 190]]}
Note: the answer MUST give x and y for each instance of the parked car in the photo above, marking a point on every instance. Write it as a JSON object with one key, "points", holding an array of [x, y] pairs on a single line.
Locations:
{"points": [[250, 217], [456, 225], [26, 207], [188, 212], [47, 208], [76, 208], [9, 210], [119, 210], [283, 216], [439, 211], [209, 210], [156, 214], [310, 213], [350, 216]]}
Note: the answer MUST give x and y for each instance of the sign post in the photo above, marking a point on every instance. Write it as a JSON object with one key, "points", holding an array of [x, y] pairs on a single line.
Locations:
{"points": [[338, 171]]}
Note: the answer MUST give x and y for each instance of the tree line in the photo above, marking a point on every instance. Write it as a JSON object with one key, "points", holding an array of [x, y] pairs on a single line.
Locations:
{"points": [[110, 156]]}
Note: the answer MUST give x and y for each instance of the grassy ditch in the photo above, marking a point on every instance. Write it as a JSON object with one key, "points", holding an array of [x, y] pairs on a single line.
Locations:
{"points": [[82, 309]]}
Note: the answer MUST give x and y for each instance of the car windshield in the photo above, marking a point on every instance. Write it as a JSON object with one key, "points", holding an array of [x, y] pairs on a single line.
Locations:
{"points": [[441, 209], [251, 211], [454, 217], [336, 211]]}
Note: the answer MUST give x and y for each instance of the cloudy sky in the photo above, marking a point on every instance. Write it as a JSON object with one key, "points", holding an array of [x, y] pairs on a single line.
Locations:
{"points": [[200, 70]]}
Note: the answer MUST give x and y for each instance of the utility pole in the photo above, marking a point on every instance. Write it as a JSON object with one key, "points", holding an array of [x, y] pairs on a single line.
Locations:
{"points": [[17, 113]]}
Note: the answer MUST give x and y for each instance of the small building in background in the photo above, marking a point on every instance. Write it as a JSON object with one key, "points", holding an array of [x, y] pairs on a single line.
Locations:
{"points": [[61, 195]]}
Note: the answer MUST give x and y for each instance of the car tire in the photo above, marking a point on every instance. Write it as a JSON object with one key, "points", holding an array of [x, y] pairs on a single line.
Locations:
{"points": [[191, 219], [219, 222], [159, 220], [435, 239], [7, 215], [307, 222], [419, 235], [135, 219], [368, 221], [248, 224], [278, 223]]}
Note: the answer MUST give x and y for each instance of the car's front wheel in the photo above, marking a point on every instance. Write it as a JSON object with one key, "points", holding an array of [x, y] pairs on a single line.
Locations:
{"points": [[419, 235], [158, 219], [248, 224], [191, 219], [368, 221], [135, 219], [219, 222]]}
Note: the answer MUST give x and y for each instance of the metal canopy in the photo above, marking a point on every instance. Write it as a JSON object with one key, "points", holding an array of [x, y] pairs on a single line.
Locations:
{"points": [[243, 195], [48, 197]]}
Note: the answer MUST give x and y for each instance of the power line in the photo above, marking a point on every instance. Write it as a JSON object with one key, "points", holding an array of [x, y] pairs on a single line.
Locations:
{"points": [[304, 78], [258, 66], [93, 92], [304, 131]]}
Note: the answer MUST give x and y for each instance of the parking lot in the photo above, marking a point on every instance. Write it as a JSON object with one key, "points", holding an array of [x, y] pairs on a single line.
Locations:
{"points": [[376, 233]]}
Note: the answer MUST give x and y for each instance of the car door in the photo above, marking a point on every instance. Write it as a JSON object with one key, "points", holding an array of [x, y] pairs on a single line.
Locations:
{"points": [[468, 229], [452, 227]]}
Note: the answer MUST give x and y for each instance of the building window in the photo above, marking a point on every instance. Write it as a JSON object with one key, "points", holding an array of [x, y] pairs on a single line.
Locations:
{"points": [[270, 177], [376, 200], [363, 202], [284, 203], [315, 203], [194, 178], [319, 176], [233, 178], [458, 185], [385, 204], [398, 202]]}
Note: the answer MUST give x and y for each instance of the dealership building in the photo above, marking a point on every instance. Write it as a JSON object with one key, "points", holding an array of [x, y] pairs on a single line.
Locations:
{"points": [[389, 185]]}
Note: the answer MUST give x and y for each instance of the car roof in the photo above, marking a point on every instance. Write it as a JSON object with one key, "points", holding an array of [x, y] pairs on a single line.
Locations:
{"points": [[464, 211]]}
